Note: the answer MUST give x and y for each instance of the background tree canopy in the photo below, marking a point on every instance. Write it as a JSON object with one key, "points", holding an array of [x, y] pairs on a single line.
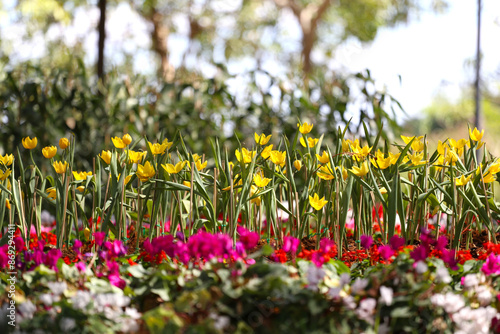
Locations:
{"points": [[268, 61]]}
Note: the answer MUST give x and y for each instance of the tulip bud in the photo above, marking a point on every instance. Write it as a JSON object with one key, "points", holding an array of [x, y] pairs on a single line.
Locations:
{"points": [[297, 164]]}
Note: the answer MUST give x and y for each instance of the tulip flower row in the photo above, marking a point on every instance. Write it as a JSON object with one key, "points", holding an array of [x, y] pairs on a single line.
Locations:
{"points": [[314, 186]]}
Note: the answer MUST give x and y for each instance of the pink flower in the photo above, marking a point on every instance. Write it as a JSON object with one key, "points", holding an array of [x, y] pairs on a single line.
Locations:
{"points": [[249, 239], [326, 245], [492, 265], [386, 252], [290, 244], [99, 238], [366, 241], [396, 242]]}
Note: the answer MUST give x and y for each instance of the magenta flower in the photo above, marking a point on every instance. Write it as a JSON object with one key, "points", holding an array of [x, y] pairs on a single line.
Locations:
{"points": [[80, 266], [396, 242], [19, 243], [366, 241], [326, 245], [386, 252], [52, 257], [419, 253], [290, 244], [164, 243], [248, 238], [117, 249], [99, 238], [77, 244], [441, 243], [492, 265], [448, 256]]}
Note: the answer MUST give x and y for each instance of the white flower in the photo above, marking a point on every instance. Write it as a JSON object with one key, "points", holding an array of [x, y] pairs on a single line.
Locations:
{"points": [[450, 302], [57, 288], [81, 299], [483, 295], [442, 275], [421, 267], [67, 324], [471, 281], [359, 285], [349, 302], [315, 275], [27, 309], [386, 295], [474, 321], [366, 309], [48, 299]]}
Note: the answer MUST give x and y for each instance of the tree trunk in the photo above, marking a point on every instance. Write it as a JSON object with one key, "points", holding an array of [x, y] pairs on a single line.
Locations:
{"points": [[159, 37], [102, 36]]}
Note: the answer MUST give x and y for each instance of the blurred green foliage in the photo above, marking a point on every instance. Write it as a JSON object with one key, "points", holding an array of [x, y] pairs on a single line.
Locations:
{"points": [[53, 103]]}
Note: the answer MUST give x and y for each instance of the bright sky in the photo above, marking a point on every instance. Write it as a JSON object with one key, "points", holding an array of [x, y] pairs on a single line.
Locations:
{"points": [[430, 53]]}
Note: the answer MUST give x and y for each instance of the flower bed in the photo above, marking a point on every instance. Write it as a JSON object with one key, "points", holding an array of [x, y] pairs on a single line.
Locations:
{"points": [[345, 239]]}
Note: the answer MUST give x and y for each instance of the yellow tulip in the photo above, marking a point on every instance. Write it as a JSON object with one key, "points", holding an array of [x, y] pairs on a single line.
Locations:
{"points": [[4, 175], [106, 156], [253, 191], [49, 152], [416, 158], [297, 164], [196, 157], [52, 192], [326, 172], [267, 151], [262, 139], [79, 176], [200, 165], [380, 162], [29, 144], [462, 180], [394, 157], [63, 143], [80, 189], [311, 141], [60, 167], [118, 142], [408, 139], [458, 144], [157, 148], [442, 147], [278, 158], [245, 155], [305, 128], [452, 157], [7, 203], [86, 233], [488, 178], [494, 168], [7, 160], [127, 178], [417, 145], [316, 202], [475, 134], [126, 139], [136, 157], [167, 143], [383, 191], [260, 181], [360, 171], [187, 184], [360, 153], [324, 158], [171, 169], [145, 172]]}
